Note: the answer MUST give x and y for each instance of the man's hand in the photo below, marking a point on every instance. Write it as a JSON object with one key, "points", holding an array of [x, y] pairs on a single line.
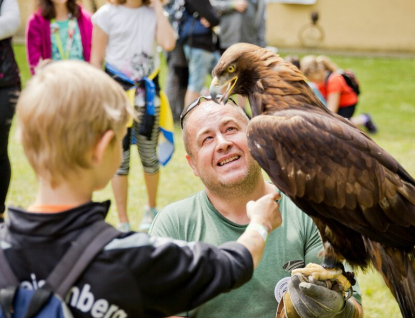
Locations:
{"points": [[204, 22], [240, 5], [311, 300]]}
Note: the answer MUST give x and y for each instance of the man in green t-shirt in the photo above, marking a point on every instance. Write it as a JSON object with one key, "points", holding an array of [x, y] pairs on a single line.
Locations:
{"points": [[215, 140]]}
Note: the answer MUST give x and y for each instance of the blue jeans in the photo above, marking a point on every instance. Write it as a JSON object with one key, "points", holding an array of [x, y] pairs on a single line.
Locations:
{"points": [[200, 65]]}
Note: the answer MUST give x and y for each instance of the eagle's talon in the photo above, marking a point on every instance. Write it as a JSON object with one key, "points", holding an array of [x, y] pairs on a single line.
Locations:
{"points": [[349, 293], [316, 272]]}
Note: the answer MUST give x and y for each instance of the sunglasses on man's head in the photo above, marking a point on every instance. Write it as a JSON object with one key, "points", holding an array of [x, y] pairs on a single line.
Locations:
{"points": [[196, 102]]}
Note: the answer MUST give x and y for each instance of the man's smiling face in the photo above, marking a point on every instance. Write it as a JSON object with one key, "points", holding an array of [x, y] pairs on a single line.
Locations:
{"points": [[218, 150]]}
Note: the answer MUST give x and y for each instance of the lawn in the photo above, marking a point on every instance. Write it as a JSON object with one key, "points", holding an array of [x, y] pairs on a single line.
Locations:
{"points": [[388, 94]]}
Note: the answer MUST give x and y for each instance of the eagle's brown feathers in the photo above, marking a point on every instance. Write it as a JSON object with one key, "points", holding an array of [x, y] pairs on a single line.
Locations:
{"points": [[361, 199]]}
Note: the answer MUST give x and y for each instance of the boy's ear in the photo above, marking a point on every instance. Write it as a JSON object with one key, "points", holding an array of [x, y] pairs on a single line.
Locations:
{"points": [[102, 145], [192, 165]]}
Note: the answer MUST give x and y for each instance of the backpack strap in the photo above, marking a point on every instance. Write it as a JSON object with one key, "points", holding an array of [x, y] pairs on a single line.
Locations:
{"points": [[79, 255], [66, 272], [326, 79], [7, 277], [8, 280], [6, 300], [72, 265]]}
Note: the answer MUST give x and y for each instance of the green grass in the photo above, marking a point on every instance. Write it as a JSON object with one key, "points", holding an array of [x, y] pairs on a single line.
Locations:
{"points": [[388, 94]]}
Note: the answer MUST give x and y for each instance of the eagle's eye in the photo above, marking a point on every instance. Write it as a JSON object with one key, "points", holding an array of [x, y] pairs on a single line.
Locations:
{"points": [[231, 68]]}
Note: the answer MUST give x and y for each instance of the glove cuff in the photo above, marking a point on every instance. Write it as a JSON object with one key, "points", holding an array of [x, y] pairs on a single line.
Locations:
{"points": [[286, 309]]}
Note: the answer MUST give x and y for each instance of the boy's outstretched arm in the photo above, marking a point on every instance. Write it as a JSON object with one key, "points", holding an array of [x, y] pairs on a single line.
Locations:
{"points": [[265, 217]]}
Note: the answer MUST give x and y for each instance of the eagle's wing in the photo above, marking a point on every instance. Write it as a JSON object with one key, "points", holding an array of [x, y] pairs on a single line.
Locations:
{"points": [[336, 172]]}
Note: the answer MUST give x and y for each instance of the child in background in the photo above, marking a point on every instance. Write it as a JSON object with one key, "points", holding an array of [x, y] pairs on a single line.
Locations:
{"points": [[72, 119], [311, 69], [340, 97], [58, 30], [125, 36]]}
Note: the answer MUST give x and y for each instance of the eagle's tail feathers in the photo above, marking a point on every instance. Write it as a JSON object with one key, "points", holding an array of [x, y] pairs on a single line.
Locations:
{"points": [[398, 270]]}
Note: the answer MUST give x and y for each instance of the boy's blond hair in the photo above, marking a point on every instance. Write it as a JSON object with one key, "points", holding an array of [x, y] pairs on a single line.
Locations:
{"points": [[63, 111]]}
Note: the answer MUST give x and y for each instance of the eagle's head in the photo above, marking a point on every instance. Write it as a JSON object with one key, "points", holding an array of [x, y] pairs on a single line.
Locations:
{"points": [[234, 73], [252, 71]]}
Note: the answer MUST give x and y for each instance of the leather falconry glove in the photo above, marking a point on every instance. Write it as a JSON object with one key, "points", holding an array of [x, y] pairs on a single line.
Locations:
{"points": [[308, 300]]}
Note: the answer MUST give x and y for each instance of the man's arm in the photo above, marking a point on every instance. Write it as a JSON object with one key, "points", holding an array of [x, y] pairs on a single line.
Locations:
{"points": [[228, 6]]}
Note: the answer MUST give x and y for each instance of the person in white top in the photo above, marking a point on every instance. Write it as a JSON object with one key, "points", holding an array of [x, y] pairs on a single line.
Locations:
{"points": [[125, 36]]}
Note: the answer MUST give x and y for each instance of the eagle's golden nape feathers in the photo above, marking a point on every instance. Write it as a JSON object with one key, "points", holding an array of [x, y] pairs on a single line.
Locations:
{"points": [[262, 72], [360, 198]]}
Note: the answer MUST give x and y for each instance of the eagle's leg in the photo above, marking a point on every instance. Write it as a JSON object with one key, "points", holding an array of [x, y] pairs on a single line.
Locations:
{"points": [[331, 263]]}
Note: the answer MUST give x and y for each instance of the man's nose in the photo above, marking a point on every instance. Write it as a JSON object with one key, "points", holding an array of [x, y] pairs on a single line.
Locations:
{"points": [[223, 143]]}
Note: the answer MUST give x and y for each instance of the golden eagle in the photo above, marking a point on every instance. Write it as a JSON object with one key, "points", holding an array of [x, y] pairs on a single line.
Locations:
{"points": [[360, 198]]}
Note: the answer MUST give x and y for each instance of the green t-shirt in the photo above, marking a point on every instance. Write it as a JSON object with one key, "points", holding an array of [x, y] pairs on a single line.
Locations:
{"points": [[195, 219], [61, 28]]}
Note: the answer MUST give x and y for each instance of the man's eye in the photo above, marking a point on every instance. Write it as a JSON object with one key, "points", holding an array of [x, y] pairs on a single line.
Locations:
{"points": [[230, 128], [206, 139]]}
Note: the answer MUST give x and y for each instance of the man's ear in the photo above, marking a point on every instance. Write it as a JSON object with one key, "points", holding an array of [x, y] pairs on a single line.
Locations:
{"points": [[102, 145], [192, 165]]}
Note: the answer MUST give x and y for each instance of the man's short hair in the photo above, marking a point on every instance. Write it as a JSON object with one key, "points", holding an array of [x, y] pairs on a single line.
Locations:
{"points": [[63, 111]]}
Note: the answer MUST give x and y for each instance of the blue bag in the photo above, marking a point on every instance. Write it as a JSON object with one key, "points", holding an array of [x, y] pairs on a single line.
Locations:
{"points": [[48, 301], [190, 26], [185, 25]]}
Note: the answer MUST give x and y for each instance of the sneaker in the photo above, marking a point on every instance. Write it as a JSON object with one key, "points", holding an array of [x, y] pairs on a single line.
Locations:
{"points": [[149, 215], [124, 227], [370, 125]]}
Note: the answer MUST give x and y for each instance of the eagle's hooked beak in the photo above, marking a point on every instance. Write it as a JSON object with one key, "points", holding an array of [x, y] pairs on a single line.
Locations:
{"points": [[216, 88]]}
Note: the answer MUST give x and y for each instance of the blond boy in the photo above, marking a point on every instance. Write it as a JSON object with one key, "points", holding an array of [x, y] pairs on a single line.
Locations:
{"points": [[72, 119]]}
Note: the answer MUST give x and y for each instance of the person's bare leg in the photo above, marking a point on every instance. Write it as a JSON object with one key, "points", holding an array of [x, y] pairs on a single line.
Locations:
{"points": [[120, 188], [358, 120], [152, 183], [365, 120]]}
